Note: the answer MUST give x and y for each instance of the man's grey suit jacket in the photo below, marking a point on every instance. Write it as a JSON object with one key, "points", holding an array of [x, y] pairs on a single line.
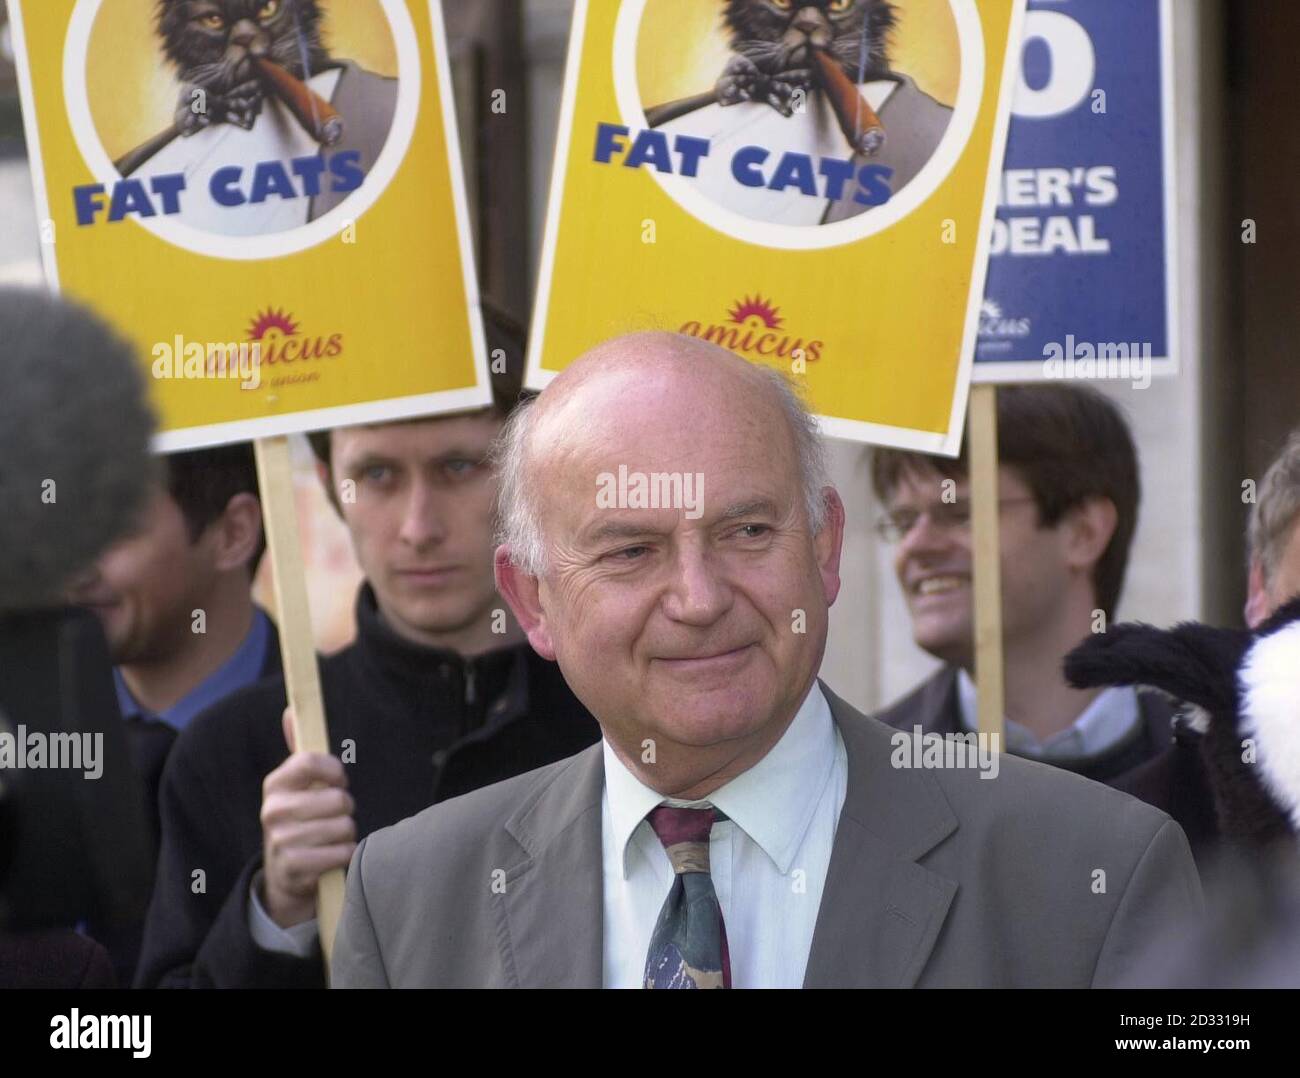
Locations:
{"points": [[1034, 878]]}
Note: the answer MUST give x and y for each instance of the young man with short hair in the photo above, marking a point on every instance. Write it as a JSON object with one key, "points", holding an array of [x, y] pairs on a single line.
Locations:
{"points": [[1068, 496]]}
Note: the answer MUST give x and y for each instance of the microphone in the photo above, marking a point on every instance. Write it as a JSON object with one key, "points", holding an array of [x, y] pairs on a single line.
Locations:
{"points": [[75, 426]]}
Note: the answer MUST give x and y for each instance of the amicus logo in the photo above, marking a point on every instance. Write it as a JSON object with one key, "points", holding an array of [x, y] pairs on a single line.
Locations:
{"points": [[994, 324], [755, 328], [282, 342]]}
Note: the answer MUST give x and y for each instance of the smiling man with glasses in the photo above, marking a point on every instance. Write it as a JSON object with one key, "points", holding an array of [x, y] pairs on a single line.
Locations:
{"points": [[1068, 494]]}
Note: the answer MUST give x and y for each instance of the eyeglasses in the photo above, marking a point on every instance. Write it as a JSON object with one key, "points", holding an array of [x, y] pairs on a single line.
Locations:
{"points": [[947, 517]]}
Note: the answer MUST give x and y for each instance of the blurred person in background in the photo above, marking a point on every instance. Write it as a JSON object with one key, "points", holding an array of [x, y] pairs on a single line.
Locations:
{"points": [[174, 598], [1068, 498], [1201, 781]]}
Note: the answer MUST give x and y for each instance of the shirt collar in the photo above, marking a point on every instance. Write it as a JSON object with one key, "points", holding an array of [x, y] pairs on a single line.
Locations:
{"points": [[242, 668], [1102, 725], [773, 802]]}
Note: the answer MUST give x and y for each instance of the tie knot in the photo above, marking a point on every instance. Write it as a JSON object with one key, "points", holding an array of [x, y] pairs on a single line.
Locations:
{"points": [[685, 835]]}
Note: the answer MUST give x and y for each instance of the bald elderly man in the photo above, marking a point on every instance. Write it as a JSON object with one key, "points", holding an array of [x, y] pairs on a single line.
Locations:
{"points": [[671, 540]]}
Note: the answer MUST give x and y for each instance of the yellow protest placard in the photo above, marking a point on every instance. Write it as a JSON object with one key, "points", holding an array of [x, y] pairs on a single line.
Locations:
{"points": [[266, 198], [809, 185]]}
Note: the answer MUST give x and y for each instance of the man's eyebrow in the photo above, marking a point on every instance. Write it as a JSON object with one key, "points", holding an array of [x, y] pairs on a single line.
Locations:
{"points": [[757, 507], [372, 459], [619, 529], [459, 453]]}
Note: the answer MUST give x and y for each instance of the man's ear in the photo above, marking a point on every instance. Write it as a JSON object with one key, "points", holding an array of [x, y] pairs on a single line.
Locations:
{"points": [[238, 532], [1257, 601], [829, 544], [520, 590], [1089, 529]]}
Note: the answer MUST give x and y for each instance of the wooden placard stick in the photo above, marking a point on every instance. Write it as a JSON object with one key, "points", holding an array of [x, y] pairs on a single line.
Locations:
{"points": [[986, 549], [297, 646]]}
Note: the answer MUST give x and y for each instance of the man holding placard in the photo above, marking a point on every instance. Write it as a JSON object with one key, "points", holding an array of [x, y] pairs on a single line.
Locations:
{"points": [[1069, 492], [439, 694]]}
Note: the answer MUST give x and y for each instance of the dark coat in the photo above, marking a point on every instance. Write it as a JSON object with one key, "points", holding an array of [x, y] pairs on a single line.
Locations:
{"points": [[1176, 781], [414, 725], [933, 706], [55, 958], [150, 742]]}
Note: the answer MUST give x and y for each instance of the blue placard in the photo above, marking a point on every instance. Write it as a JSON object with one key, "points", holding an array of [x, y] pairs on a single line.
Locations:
{"points": [[1081, 259]]}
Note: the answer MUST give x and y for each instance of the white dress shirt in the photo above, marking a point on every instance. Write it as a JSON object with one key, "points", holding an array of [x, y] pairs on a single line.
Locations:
{"points": [[297, 940], [1102, 725], [768, 860]]}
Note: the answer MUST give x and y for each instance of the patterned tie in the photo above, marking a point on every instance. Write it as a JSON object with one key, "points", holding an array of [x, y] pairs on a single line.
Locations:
{"points": [[688, 948]]}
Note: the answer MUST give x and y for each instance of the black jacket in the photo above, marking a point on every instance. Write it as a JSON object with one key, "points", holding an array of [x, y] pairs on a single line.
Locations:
{"points": [[414, 725], [150, 741], [933, 706]]}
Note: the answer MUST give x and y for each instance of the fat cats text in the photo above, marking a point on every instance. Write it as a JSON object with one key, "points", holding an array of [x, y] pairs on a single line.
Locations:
{"points": [[821, 177], [229, 187]]}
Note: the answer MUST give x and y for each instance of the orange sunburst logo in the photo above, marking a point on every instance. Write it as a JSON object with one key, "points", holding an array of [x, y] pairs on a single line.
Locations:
{"points": [[756, 307], [272, 319]]}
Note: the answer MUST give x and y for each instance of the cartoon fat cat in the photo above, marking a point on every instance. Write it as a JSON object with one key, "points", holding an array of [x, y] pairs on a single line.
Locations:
{"points": [[822, 70], [234, 60], [774, 42], [213, 45]]}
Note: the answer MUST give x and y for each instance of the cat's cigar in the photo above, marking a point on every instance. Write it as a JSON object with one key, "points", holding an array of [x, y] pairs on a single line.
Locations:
{"points": [[858, 120], [318, 117]]}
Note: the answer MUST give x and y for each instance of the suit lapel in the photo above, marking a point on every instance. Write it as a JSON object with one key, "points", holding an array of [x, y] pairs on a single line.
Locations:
{"points": [[552, 908], [880, 912]]}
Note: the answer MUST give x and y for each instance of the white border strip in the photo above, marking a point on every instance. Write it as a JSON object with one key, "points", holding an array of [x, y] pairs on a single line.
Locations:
{"points": [[343, 415], [27, 96], [534, 376], [481, 392], [992, 185]]}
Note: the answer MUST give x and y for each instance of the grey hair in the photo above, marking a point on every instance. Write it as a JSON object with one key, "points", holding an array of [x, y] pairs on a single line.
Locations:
{"points": [[1276, 508], [518, 525]]}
